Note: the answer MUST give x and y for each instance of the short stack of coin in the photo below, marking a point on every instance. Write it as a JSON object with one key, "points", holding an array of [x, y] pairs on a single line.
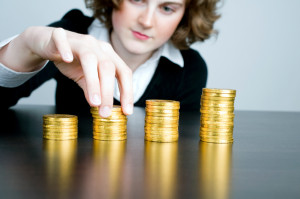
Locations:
{"points": [[60, 127], [161, 121], [113, 127], [217, 115]]}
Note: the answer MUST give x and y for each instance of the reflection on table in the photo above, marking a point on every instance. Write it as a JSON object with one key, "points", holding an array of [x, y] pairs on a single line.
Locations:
{"points": [[215, 170], [160, 169], [60, 162]]}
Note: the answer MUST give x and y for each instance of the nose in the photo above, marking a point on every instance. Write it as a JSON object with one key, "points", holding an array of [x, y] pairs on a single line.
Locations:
{"points": [[146, 18]]}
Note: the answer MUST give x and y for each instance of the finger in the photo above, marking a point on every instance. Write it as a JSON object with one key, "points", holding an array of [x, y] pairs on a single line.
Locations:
{"points": [[107, 75], [124, 77], [60, 40], [89, 65]]}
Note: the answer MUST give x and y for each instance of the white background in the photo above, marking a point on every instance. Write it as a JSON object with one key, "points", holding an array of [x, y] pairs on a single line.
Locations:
{"points": [[257, 51]]}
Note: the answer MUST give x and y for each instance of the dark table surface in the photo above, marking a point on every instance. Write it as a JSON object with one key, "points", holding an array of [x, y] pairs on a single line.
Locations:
{"points": [[263, 161]]}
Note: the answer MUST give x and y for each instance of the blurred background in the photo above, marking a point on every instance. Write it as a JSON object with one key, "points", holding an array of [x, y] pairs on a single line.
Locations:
{"points": [[257, 51]]}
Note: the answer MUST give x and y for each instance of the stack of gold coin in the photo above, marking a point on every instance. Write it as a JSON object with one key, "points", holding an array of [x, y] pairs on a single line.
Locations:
{"points": [[217, 115], [113, 127], [60, 126], [161, 121]]}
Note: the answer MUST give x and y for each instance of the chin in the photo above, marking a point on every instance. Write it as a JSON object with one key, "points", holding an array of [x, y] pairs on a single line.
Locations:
{"points": [[138, 50]]}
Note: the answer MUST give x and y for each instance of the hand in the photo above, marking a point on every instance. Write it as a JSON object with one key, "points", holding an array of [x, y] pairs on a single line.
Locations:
{"points": [[91, 63]]}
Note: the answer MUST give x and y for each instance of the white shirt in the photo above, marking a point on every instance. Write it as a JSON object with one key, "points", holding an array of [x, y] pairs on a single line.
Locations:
{"points": [[141, 76]]}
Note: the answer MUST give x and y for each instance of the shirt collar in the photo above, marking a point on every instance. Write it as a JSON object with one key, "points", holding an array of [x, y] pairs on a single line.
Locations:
{"points": [[168, 50]]}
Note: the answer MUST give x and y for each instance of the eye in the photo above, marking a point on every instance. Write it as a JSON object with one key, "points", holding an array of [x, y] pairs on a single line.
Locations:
{"points": [[136, 1], [167, 9]]}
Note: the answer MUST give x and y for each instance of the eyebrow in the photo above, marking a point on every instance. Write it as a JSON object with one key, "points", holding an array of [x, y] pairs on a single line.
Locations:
{"points": [[172, 3]]}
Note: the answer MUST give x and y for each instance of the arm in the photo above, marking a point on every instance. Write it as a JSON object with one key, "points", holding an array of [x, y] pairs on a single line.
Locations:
{"points": [[92, 64]]}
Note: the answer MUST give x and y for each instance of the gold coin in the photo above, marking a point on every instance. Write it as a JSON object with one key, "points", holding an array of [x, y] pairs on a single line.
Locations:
{"points": [[110, 139], [56, 132], [231, 95], [109, 123], [174, 133], [153, 132], [220, 135], [59, 129], [219, 99], [162, 135], [218, 90], [113, 114], [106, 131], [162, 125], [60, 126], [59, 123], [216, 118], [217, 104], [67, 137], [217, 141], [214, 125], [104, 120], [110, 118], [217, 114], [161, 118], [161, 139], [169, 111], [121, 133], [223, 129], [95, 132], [114, 128], [162, 114], [115, 108], [148, 106], [60, 117], [159, 102], [104, 137], [208, 108], [161, 128], [222, 113], [212, 136], [150, 122]]}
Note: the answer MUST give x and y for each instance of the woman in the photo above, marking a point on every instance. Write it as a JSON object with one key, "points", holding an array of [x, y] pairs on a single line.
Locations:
{"points": [[136, 41]]}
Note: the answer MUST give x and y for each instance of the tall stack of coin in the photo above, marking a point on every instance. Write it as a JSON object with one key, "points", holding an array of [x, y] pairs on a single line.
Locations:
{"points": [[113, 127], [217, 115], [60, 126], [161, 121]]}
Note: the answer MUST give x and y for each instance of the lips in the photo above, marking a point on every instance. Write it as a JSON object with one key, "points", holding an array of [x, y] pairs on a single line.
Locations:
{"points": [[140, 36]]}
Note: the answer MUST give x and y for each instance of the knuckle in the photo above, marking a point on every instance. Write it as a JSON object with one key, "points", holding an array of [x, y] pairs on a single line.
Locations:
{"points": [[57, 31], [107, 66], [105, 46], [88, 39], [87, 56]]}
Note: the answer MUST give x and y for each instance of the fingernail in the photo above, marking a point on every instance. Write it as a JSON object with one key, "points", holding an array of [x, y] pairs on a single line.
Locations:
{"points": [[129, 109], [105, 111], [68, 56], [96, 100]]}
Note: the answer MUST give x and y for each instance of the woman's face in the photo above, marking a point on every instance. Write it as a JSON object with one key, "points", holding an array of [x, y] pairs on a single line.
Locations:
{"points": [[142, 26]]}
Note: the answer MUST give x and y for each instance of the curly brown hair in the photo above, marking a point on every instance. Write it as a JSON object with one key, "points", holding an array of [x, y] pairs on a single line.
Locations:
{"points": [[197, 23]]}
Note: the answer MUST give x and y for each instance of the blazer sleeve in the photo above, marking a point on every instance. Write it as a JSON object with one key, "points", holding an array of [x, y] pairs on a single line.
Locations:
{"points": [[10, 96], [194, 78]]}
